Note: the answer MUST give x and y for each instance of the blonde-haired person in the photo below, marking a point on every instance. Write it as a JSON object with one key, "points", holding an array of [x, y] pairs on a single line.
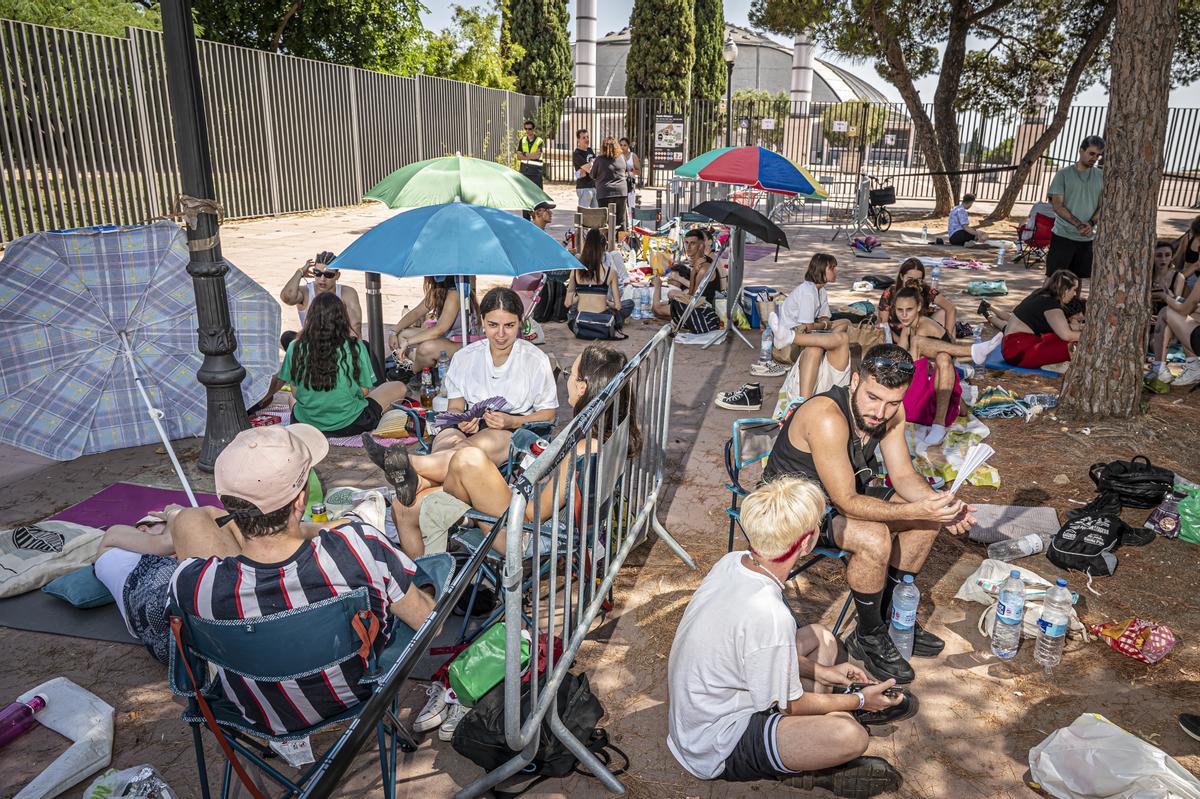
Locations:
{"points": [[749, 692]]}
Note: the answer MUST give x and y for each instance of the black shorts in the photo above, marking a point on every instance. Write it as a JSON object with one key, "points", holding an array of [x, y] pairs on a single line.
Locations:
{"points": [[756, 755], [960, 237], [1074, 256], [1195, 340], [825, 536], [367, 421]]}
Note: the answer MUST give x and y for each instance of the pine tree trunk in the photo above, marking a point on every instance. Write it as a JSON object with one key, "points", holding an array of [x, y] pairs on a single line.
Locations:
{"points": [[1105, 378]]}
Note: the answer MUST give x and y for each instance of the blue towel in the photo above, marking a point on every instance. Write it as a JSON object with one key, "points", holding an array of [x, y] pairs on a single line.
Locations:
{"points": [[996, 361]]}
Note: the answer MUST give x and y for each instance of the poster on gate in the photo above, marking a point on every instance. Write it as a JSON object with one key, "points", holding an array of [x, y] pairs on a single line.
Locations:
{"points": [[668, 140]]}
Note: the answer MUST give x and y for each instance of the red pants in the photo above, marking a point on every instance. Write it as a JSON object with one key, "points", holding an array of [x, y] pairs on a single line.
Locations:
{"points": [[1031, 351]]}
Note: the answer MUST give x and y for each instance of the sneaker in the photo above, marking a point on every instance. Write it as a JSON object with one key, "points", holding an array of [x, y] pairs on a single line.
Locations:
{"points": [[1189, 375], [435, 710], [926, 644], [1190, 724], [746, 398], [457, 711], [905, 710], [768, 369], [861, 778], [1164, 375], [879, 656]]}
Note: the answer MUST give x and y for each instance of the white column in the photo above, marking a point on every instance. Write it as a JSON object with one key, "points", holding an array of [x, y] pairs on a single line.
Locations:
{"points": [[585, 48], [802, 69]]}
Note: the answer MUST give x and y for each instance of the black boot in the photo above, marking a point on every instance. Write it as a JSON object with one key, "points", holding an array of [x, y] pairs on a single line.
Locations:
{"points": [[925, 643], [879, 656], [861, 778]]}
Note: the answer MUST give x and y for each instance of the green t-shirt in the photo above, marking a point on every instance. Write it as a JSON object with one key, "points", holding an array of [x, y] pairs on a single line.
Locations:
{"points": [[340, 405], [1081, 196]]}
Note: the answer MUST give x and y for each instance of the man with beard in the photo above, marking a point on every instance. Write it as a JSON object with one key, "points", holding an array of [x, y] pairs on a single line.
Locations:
{"points": [[832, 439]]}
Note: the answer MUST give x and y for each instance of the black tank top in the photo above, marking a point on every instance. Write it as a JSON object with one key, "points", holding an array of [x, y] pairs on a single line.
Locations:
{"points": [[786, 459]]}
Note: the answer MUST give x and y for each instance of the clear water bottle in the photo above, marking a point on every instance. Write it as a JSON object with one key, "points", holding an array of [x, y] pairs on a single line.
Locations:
{"points": [[1022, 547], [904, 616], [1006, 635], [17, 718], [443, 365], [924, 234], [1000, 259], [766, 344], [935, 276], [1052, 626]]}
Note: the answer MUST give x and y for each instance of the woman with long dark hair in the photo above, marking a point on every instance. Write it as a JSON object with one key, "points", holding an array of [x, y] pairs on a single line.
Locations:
{"points": [[933, 303], [331, 375], [435, 326], [595, 288], [1037, 333], [475, 481]]}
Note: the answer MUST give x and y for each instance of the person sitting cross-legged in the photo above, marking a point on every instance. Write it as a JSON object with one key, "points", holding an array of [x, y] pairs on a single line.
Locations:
{"points": [[270, 562], [749, 691], [888, 532]]}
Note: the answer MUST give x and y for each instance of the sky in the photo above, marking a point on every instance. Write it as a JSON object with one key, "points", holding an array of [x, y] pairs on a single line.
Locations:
{"points": [[614, 15]]}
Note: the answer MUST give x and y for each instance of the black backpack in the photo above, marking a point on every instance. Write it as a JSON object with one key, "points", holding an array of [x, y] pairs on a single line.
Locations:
{"points": [[550, 304], [1090, 538], [479, 737], [1138, 483]]}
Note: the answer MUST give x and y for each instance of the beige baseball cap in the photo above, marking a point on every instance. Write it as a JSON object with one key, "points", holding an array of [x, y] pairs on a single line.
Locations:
{"points": [[268, 466]]}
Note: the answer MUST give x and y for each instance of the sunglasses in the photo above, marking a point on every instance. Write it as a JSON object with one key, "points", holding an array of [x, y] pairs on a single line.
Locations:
{"points": [[326, 273], [880, 362]]}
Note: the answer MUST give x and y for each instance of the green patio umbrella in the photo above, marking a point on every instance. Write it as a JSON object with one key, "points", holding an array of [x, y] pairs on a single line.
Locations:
{"points": [[457, 177]]}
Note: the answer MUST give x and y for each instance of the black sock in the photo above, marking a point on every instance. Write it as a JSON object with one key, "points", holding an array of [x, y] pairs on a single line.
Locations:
{"points": [[870, 617], [895, 576]]}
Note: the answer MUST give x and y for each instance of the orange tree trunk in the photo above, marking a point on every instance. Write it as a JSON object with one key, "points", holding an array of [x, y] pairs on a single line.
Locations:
{"points": [[1105, 378]]}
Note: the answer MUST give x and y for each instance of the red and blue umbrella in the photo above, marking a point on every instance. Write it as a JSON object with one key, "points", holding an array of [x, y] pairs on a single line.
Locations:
{"points": [[756, 167]]}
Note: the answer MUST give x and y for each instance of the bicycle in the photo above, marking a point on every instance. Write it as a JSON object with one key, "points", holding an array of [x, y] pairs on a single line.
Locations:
{"points": [[877, 202]]}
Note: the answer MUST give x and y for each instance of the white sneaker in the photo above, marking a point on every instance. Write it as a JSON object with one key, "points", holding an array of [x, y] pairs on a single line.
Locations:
{"points": [[1189, 375], [457, 711], [435, 710], [768, 369]]}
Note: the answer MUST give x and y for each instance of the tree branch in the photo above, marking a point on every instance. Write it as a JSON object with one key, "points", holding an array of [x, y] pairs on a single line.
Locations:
{"points": [[988, 10], [277, 39]]}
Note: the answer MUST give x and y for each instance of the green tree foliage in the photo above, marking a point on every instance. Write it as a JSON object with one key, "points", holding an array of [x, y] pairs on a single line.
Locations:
{"points": [[708, 72], [1002, 153], [864, 123], [545, 63], [109, 17], [661, 49], [382, 35], [469, 50]]}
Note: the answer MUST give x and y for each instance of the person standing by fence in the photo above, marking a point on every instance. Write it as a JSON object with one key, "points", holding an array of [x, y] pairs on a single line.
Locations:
{"points": [[1075, 195], [529, 153], [633, 170], [608, 170], [582, 158]]}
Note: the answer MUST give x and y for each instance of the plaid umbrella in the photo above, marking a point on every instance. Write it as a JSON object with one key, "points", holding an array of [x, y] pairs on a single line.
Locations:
{"points": [[68, 300]]}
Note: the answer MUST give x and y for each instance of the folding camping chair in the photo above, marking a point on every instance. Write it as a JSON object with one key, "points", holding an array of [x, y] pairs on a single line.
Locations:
{"points": [[750, 443], [281, 647], [1033, 241]]}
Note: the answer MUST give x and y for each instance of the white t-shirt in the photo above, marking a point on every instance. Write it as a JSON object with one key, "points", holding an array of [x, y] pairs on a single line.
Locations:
{"points": [[525, 379], [617, 264], [734, 655], [802, 307]]}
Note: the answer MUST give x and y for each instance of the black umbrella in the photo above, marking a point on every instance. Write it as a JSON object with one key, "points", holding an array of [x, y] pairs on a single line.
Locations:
{"points": [[744, 217]]}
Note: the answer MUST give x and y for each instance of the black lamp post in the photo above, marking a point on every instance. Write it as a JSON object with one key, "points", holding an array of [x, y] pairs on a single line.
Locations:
{"points": [[729, 53], [220, 373]]}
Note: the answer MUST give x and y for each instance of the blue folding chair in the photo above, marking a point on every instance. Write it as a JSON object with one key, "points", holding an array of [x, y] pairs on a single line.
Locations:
{"points": [[751, 442], [280, 647]]}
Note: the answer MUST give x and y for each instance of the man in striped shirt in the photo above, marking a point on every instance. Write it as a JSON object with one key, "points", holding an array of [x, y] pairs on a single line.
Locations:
{"points": [[262, 479]]}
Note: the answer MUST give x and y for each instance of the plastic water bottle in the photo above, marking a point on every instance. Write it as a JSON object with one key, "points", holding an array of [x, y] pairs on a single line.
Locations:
{"points": [[924, 234], [1006, 635], [1052, 626], [1000, 260], [1022, 547], [935, 276], [17, 718], [443, 364], [766, 345], [904, 616]]}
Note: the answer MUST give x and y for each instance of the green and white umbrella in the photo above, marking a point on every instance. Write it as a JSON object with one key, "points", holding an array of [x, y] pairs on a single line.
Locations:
{"points": [[457, 177]]}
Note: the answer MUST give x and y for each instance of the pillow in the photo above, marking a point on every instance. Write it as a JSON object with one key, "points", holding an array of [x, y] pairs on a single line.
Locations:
{"points": [[80, 588], [33, 555]]}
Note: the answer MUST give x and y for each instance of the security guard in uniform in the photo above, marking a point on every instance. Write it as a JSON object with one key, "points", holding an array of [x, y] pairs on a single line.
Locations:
{"points": [[529, 153]]}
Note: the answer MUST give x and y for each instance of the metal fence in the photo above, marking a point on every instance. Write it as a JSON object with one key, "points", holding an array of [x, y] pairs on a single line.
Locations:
{"points": [[86, 139], [590, 498]]}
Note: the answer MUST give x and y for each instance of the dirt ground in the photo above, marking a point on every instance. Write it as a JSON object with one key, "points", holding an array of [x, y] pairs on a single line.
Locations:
{"points": [[978, 717]]}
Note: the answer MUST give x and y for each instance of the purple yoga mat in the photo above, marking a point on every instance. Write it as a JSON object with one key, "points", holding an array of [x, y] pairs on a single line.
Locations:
{"points": [[125, 503]]}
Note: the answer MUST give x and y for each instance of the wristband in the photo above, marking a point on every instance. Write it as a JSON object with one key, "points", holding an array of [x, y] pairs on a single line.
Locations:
{"points": [[862, 699]]}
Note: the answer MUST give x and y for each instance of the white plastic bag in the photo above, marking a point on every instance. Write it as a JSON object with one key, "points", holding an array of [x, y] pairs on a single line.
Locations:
{"points": [[143, 782], [983, 586], [1095, 759]]}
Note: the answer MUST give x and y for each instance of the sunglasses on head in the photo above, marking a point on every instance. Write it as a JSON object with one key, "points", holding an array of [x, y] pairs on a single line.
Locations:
{"points": [[881, 362], [326, 273]]}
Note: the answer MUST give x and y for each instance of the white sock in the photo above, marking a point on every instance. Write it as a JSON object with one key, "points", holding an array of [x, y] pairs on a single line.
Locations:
{"points": [[980, 350], [937, 432]]}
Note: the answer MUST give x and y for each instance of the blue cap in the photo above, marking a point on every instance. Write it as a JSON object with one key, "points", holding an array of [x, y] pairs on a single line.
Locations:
{"points": [[1015, 573], [908, 578], [1061, 582]]}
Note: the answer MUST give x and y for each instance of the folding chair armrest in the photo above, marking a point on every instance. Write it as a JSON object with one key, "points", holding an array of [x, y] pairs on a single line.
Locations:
{"points": [[420, 424]]}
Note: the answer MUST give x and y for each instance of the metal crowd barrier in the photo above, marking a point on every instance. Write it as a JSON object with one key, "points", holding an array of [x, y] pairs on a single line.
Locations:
{"points": [[602, 501]]}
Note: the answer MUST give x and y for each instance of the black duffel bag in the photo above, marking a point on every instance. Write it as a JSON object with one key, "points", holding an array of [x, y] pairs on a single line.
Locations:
{"points": [[1138, 483]]}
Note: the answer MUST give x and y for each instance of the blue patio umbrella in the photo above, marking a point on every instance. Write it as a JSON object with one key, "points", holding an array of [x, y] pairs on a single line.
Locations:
{"points": [[98, 340], [455, 239]]}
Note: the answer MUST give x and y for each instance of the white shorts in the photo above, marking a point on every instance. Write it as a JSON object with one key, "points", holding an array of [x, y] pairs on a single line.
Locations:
{"points": [[828, 377], [113, 568]]}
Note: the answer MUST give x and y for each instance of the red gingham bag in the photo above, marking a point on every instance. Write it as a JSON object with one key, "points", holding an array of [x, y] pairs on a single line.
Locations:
{"points": [[1140, 639]]}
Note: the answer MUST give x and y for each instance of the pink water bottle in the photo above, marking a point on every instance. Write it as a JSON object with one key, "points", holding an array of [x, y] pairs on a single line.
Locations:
{"points": [[17, 718]]}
